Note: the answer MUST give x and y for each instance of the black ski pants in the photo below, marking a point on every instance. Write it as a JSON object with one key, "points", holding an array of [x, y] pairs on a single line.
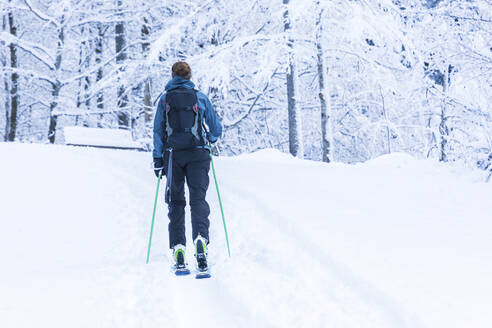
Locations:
{"points": [[193, 166]]}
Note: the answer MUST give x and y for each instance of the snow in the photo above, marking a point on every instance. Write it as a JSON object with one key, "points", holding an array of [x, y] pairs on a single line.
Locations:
{"points": [[117, 138], [394, 242]]}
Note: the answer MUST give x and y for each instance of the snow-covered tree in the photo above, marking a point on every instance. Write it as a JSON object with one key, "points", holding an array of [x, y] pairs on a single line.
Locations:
{"points": [[365, 78], [11, 76]]}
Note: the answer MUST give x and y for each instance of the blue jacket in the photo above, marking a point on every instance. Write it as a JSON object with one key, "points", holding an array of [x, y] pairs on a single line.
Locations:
{"points": [[205, 107]]}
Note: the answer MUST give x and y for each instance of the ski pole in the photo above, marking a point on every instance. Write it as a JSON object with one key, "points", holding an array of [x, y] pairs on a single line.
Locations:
{"points": [[153, 215], [220, 203]]}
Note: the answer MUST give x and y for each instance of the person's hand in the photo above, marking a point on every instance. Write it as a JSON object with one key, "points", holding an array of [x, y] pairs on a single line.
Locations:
{"points": [[158, 167], [211, 139]]}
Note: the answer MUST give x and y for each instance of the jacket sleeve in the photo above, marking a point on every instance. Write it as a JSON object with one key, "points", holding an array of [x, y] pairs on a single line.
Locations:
{"points": [[159, 129], [210, 117]]}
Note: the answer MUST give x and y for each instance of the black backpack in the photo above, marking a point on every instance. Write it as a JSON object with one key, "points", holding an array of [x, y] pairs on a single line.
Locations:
{"points": [[183, 121]]}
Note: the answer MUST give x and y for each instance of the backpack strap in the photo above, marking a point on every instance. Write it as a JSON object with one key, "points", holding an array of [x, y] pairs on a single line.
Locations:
{"points": [[169, 129], [198, 119]]}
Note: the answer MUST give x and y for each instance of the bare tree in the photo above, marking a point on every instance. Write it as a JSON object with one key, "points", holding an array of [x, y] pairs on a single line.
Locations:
{"points": [[295, 124], [84, 65], [100, 72], [385, 116], [121, 57], [443, 126], [145, 32], [324, 98], [14, 80], [56, 85], [3, 58]]}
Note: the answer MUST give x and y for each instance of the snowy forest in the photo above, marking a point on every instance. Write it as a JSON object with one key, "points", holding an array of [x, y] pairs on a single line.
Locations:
{"points": [[326, 80], [351, 185]]}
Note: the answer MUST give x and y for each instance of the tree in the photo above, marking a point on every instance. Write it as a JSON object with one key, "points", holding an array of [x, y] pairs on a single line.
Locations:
{"points": [[100, 70], [366, 77], [295, 124], [145, 32], [11, 120], [443, 126], [57, 83], [5, 96], [121, 57], [324, 98], [84, 65]]}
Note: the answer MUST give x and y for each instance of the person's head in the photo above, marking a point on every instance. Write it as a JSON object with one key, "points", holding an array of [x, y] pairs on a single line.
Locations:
{"points": [[181, 69]]}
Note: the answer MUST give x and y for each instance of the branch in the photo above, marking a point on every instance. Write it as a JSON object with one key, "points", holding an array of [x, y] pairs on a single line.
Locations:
{"points": [[28, 73], [26, 46], [231, 125], [155, 50], [235, 44], [466, 18], [40, 15]]}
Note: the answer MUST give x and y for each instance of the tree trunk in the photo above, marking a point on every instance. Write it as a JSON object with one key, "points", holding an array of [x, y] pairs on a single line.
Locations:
{"points": [[121, 56], [385, 116], [53, 116], [81, 59], [87, 79], [55, 93], [5, 81], [84, 65], [443, 126], [7, 107], [147, 94], [295, 126], [14, 80], [324, 98], [100, 72]]}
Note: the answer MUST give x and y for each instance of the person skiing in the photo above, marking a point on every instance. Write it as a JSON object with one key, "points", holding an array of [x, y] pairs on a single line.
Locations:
{"points": [[181, 152]]}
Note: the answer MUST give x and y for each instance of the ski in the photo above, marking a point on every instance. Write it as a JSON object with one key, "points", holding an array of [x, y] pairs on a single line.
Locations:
{"points": [[181, 270], [203, 274], [201, 258], [180, 267]]}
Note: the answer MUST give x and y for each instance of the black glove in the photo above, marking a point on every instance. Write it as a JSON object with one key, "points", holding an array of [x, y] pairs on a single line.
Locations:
{"points": [[159, 166], [211, 139]]}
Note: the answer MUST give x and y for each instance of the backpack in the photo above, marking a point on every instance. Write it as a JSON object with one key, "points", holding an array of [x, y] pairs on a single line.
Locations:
{"points": [[183, 120]]}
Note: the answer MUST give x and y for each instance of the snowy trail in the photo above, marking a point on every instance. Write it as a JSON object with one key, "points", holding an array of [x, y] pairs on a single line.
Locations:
{"points": [[346, 299], [366, 295], [312, 245]]}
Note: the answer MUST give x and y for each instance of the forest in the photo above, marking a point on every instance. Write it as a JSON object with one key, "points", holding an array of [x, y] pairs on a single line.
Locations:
{"points": [[325, 80]]}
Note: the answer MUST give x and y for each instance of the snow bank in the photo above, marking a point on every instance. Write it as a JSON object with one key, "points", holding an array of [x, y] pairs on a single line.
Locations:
{"points": [[395, 242]]}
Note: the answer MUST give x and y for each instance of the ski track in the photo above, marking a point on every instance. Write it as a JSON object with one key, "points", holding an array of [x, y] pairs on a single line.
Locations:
{"points": [[183, 300], [256, 287], [342, 289], [280, 274]]}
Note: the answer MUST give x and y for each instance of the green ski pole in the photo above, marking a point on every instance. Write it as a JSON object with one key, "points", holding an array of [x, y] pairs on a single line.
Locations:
{"points": [[153, 214], [220, 203]]}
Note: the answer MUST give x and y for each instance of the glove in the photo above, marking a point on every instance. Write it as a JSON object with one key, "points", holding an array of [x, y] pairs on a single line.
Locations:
{"points": [[159, 167], [211, 139]]}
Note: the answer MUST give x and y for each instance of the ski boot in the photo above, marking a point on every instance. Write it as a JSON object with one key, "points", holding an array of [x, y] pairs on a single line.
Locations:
{"points": [[201, 258], [180, 266]]}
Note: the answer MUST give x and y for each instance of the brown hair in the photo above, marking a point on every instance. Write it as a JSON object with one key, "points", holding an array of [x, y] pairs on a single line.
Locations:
{"points": [[181, 69]]}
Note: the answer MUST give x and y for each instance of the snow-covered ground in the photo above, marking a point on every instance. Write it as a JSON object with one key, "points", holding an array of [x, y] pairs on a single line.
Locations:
{"points": [[395, 242]]}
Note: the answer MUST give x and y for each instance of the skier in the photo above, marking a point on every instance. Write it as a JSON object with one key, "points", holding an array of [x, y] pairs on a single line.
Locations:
{"points": [[181, 152]]}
